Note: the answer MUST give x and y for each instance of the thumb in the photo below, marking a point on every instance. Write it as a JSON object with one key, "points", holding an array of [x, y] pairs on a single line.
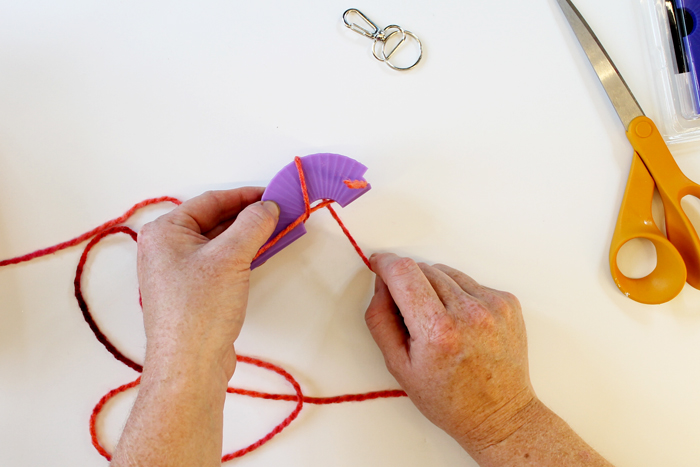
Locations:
{"points": [[251, 229], [386, 325]]}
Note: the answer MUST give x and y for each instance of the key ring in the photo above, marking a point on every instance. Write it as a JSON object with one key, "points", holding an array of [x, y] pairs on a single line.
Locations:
{"points": [[382, 36]]}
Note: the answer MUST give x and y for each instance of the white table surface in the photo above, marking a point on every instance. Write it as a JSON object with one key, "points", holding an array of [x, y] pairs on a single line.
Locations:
{"points": [[499, 154]]}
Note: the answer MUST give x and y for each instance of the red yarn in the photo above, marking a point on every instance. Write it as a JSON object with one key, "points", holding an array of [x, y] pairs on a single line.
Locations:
{"points": [[355, 184], [77, 240], [347, 234], [83, 304], [98, 408], [326, 203], [112, 227], [304, 189]]}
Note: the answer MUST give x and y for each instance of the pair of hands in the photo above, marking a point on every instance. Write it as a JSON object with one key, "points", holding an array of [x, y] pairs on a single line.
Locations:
{"points": [[457, 348]]}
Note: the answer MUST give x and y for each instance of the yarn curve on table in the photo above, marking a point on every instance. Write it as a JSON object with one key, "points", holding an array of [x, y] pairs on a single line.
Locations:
{"points": [[114, 227]]}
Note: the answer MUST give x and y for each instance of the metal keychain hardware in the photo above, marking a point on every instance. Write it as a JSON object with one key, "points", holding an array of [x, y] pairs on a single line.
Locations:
{"points": [[382, 36]]}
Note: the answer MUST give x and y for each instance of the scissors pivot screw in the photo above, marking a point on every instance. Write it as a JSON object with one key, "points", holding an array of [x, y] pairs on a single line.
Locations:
{"points": [[644, 130]]}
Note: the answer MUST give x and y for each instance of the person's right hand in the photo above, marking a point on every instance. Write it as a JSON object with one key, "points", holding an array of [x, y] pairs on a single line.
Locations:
{"points": [[458, 349]]}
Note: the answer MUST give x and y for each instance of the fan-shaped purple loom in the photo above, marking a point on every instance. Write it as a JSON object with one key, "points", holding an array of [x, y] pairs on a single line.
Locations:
{"points": [[325, 175]]}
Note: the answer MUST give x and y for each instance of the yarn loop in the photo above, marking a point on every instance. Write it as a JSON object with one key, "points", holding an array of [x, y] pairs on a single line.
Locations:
{"points": [[114, 227]]}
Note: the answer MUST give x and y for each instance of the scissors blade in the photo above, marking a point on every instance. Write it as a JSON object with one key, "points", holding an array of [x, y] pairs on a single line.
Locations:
{"points": [[619, 93]]}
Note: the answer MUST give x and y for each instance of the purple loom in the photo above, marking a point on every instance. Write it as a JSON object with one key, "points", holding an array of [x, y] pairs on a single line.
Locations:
{"points": [[325, 175]]}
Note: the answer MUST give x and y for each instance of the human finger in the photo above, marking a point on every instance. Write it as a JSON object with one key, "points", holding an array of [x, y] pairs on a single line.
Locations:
{"points": [[216, 231], [386, 325], [410, 290], [251, 229], [451, 294], [204, 212], [469, 285]]}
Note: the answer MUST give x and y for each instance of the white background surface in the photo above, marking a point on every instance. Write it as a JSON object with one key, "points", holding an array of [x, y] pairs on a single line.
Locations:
{"points": [[500, 155]]}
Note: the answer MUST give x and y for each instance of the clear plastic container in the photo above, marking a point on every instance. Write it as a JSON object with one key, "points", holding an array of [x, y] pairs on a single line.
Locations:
{"points": [[673, 31]]}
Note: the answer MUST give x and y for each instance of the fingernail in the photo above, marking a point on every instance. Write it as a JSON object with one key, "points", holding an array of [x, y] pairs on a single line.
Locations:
{"points": [[272, 208]]}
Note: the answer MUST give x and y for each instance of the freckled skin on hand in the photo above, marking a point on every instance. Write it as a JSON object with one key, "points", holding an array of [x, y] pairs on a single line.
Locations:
{"points": [[193, 268], [459, 350]]}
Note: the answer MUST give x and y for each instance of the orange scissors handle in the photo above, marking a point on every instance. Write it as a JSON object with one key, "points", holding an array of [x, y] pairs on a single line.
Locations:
{"points": [[635, 220]]}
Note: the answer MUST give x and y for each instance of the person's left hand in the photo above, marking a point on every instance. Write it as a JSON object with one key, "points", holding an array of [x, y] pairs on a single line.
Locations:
{"points": [[194, 268]]}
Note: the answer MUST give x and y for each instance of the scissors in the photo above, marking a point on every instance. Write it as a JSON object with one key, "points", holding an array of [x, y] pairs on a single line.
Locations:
{"points": [[677, 252]]}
